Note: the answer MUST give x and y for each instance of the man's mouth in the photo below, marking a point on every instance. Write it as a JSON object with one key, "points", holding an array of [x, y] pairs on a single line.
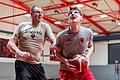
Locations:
{"points": [[73, 17], [37, 17]]}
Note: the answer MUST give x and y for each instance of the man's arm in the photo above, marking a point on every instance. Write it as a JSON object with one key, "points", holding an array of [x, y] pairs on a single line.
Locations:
{"points": [[90, 45], [90, 49], [12, 45], [14, 39], [59, 51], [50, 35], [61, 58], [64, 60], [52, 40]]}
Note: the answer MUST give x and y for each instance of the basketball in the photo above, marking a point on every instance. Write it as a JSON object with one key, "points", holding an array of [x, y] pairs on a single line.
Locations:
{"points": [[80, 63]]}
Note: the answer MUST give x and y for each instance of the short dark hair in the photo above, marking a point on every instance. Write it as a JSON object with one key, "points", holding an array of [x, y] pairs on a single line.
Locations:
{"points": [[75, 7], [33, 7]]}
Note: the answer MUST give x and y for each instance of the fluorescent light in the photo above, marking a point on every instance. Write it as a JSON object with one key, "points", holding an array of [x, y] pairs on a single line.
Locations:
{"points": [[57, 22], [27, 15], [103, 16], [79, 5], [118, 23], [94, 33]]}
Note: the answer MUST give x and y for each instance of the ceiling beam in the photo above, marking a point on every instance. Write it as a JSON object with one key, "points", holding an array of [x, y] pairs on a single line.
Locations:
{"points": [[110, 8], [63, 5], [91, 16], [97, 21], [114, 28], [59, 8], [45, 17], [101, 11], [21, 4], [66, 2], [56, 20], [11, 6], [118, 3], [13, 15], [51, 21], [97, 25], [60, 26]]}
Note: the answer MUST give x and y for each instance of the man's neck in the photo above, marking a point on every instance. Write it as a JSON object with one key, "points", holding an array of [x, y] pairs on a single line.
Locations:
{"points": [[35, 23], [75, 28]]}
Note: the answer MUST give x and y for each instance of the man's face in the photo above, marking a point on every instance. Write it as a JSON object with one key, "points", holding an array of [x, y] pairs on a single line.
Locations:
{"points": [[37, 14], [74, 16]]}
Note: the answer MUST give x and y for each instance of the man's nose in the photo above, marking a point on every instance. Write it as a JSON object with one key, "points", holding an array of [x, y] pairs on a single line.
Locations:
{"points": [[39, 14], [72, 14]]}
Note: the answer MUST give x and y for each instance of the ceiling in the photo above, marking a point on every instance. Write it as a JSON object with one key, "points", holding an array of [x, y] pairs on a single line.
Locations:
{"points": [[12, 12]]}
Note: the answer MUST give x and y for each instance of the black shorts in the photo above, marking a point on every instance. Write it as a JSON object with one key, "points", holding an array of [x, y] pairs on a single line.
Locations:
{"points": [[26, 71]]}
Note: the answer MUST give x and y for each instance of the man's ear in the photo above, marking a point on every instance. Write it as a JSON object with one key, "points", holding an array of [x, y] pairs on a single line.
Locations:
{"points": [[81, 18], [30, 12], [68, 21]]}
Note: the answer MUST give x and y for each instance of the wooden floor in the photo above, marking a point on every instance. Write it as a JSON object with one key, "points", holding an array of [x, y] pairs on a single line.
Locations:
{"points": [[14, 79], [7, 79]]}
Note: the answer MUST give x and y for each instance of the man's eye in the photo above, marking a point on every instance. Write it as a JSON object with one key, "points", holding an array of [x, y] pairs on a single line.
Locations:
{"points": [[37, 12], [76, 12], [69, 13]]}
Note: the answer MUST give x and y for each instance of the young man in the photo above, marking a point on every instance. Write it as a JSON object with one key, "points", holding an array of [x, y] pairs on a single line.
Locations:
{"points": [[30, 38], [74, 46]]}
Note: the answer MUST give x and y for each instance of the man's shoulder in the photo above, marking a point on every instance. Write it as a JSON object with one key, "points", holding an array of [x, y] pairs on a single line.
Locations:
{"points": [[22, 24], [86, 29], [25, 23], [61, 33], [43, 23]]}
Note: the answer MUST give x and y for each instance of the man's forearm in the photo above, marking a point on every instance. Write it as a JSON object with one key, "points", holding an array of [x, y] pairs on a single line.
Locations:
{"points": [[13, 46], [90, 51], [61, 58], [53, 40]]}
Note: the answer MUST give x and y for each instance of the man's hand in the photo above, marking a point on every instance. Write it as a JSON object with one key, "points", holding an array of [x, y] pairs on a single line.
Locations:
{"points": [[24, 55], [54, 48], [70, 67], [80, 63]]}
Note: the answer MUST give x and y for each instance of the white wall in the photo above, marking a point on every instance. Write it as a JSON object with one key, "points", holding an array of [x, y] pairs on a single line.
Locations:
{"points": [[100, 55]]}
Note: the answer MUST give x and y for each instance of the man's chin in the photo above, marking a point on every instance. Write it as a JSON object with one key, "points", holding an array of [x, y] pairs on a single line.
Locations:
{"points": [[73, 22], [38, 19]]}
